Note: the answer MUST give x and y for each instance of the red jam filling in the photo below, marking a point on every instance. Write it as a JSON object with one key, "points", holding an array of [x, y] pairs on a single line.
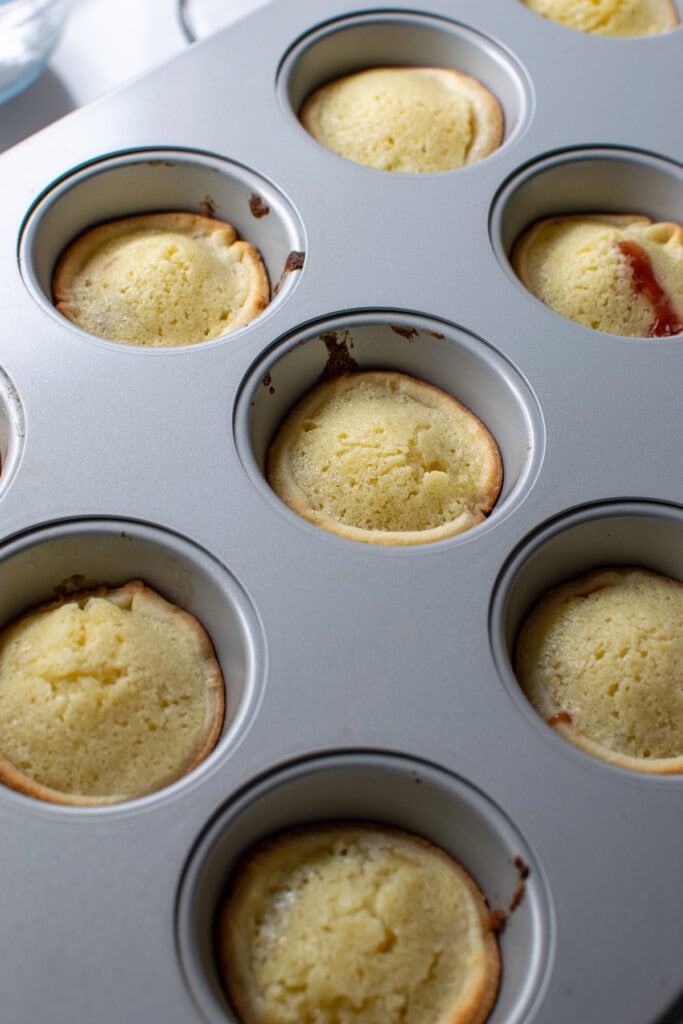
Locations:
{"points": [[666, 323]]}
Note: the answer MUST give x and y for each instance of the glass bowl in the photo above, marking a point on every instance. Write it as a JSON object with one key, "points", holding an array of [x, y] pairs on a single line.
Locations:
{"points": [[29, 30]]}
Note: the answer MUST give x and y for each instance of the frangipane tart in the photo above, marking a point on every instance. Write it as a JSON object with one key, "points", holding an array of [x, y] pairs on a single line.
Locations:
{"points": [[411, 119], [383, 458], [106, 695], [609, 17], [161, 280], [617, 273], [600, 657], [356, 923]]}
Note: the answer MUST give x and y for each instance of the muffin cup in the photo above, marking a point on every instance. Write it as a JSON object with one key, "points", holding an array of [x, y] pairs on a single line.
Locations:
{"points": [[145, 181], [591, 180], [387, 788], [394, 38], [337, 651], [439, 353], [63, 558], [648, 535]]}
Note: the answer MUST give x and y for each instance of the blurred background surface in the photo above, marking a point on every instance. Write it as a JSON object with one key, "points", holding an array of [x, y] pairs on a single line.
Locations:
{"points": [[104, 44]]}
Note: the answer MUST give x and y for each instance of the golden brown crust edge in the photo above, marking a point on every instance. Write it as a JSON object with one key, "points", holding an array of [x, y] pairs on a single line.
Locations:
{"points": [[672, 14], [476, 1006], [669, 15], [490, 119], [124, 596], [284, 485]]}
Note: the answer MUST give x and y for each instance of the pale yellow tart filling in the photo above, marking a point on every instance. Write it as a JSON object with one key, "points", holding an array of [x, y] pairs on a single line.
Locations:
{"points": [[611, 272], [413, 120], [385, 458], [601, 659], [356, 926], [161, 280], [609, 17], [105, 696]]}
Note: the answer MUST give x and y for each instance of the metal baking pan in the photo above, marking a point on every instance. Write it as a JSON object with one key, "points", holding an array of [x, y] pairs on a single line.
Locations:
{"points": [[361, 682]]}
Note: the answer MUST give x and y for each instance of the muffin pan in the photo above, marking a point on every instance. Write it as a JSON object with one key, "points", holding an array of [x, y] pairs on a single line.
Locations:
{"points": [[362, 682]]}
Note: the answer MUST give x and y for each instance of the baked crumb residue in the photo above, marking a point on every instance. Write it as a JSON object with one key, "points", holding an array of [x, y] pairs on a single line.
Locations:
{"points": [[409, 333], [70, 585], [339, 358], [209, 206], [499, 918], [295, 261], [257, 206]]}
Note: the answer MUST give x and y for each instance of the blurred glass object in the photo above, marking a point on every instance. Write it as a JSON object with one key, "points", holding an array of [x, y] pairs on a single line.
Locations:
{"points": [[29, 30]]}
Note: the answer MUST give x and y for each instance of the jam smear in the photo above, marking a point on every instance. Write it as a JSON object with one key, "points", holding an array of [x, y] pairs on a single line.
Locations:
{"points": [[666, 323], [561, 716]]}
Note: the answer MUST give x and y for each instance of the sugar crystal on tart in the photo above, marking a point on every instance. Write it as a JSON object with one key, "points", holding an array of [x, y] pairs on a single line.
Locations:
{"points": [[356, 923], [618, 273], [383, 458], [600, 658], [414, 120], [609, 17], [161, 280], [106, 695]]}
